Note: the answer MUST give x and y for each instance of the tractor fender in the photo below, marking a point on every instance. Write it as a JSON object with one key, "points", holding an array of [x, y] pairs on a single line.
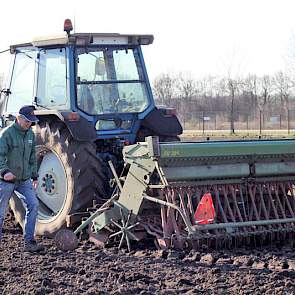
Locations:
{"points": [[162, 124], [81, 129]]}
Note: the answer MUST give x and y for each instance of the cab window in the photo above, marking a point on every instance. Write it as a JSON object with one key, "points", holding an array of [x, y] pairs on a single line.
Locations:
{"points": [[22, 82], [52, 79]]}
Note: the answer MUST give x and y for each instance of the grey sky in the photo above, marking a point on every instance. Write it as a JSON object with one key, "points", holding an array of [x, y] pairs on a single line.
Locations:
{"points": [[198, 36]]}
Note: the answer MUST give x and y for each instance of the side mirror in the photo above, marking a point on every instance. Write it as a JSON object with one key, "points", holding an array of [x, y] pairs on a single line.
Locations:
{"points": [[6, 120], [100, 68], [2, 122]]}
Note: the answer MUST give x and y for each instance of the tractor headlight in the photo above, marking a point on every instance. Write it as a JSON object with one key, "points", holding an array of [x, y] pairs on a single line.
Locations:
{"points": [[112, 124], [105, 125]]}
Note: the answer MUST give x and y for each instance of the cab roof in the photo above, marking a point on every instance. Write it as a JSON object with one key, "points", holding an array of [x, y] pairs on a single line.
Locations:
{"points": [[85, 39]]}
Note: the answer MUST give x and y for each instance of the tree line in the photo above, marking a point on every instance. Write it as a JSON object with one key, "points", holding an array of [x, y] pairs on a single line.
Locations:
{"points": [[232, 97]]}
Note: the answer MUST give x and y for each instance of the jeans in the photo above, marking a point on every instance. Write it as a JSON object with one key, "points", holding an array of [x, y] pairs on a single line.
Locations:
{"points": [[28, 196]]}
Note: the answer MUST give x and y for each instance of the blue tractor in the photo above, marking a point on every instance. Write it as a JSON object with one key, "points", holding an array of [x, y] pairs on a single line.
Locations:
{"points": [[92, 96]]}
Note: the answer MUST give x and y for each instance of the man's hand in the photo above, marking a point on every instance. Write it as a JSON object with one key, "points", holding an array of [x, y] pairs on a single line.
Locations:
{"points": [[9, 176], [35, 184]]}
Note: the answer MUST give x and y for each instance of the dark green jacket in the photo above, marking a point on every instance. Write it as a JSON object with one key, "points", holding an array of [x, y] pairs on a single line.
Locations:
{"points": [[17, 152]]}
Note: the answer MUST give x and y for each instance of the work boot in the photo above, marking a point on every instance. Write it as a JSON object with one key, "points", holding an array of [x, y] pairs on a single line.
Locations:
{"points": [[32, 246]]}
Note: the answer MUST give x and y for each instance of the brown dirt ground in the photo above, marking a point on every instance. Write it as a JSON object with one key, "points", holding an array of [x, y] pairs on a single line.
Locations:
{"points": [[143, 271]]}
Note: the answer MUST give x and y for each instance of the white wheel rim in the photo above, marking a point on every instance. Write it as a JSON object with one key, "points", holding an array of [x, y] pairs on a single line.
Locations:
{"points": [[52, 186]]}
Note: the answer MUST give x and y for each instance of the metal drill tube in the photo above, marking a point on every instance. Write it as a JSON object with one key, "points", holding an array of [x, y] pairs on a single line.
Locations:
{"points": [[115, 175], [184, 217], [242, 224], [89, 220], [95, 214]]}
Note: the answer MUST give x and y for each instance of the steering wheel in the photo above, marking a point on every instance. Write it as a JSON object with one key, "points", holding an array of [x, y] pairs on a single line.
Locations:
{"points": [[123, 105]]}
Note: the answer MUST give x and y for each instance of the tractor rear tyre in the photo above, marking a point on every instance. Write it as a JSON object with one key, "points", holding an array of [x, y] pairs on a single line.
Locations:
{"points": [[70, 178]]}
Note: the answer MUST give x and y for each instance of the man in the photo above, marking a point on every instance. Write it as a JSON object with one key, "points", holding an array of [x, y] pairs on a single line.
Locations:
{"points": [[18, 172]]}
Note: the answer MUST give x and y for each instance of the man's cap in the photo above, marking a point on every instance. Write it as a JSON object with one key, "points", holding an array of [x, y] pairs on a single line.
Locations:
{"points": [[28, 113]]}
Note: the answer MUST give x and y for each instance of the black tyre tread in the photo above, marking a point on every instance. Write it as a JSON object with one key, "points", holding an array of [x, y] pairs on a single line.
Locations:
{"points": [[85, 166]]}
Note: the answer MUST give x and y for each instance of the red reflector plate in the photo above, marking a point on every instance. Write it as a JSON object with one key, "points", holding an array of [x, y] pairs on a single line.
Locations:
{"points": [[205, 212]]}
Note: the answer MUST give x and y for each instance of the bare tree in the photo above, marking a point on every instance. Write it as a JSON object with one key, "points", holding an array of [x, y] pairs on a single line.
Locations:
{"points": [[283, 87], [186, 86], [232, 82], [233, 87], [250, 86], [187, 91], [164, 88], [230, 88], [208, 89], [265, 91]]}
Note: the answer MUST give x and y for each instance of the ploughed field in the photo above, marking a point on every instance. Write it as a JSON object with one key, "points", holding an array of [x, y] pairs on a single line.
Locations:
{"points": [[145, 270]]}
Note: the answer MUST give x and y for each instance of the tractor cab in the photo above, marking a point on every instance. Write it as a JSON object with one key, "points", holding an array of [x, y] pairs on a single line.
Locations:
{"points": [[92, 97], [100, 77], [111, 83]]}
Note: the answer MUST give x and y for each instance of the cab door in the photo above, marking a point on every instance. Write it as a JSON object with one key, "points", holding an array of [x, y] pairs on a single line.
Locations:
{"points": [[52, 79], [21, 88]]}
